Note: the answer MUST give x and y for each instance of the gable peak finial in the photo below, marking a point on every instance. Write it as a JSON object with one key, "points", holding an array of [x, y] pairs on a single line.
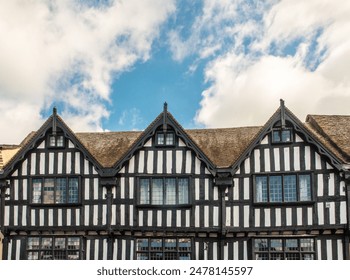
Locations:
{"points": [[54, 124], [165, 110], [283, 113], [282, 102]]}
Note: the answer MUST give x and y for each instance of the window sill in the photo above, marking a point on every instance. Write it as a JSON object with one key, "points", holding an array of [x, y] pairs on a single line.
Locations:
{"points": [[56, 205], [173, 206], [293, 203]]}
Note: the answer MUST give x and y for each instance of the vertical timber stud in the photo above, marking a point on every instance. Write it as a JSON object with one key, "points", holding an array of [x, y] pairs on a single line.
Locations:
{"points": [[223, 181], [347, 235], [1, 239], [109, 183], [3, 186]]}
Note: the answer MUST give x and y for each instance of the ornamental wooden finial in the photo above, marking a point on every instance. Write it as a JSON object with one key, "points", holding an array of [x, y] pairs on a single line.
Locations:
{"points": [[283, 113], [165, 112], [54, 124]]}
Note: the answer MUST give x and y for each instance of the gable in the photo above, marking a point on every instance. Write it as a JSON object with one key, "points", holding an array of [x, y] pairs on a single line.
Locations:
{"points": [[285, 119], [292, 157], [36, 148], [163, 123]]}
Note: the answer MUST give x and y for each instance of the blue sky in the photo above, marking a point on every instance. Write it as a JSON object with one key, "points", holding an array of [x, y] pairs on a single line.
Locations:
{"points": [[110, 65]]}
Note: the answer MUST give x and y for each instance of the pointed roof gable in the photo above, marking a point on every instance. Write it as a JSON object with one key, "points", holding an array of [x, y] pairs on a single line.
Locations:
{"points": [[283, 115], [34, 137], [164, 119]]}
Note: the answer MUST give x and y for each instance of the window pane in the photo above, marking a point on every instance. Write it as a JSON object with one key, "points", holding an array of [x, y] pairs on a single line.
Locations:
{"points": [[276, 136], [73, 243], [46, 243], [184, 245], [292, 256], [60, 141], [307, 257], [275, 188], [292, 245], [261, 245], [33, 256], [73, 192], [142, 256], [170, 191], [170, 244], [49, 187], [142, 245], [305, 187], [157, 191], [170, 139], [261, 189], [276, 245], [33, 243], [160, 138], [46, 246], [60, 243], [73, 255], [156, 245], [290, 188], [36, 191], [144, 191], [307, 244], [286, 135], [61, 190], [183, 191], [52, 141]]}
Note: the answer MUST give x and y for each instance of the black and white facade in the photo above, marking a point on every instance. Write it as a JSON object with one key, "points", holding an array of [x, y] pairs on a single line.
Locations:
{"points": [[161, 195]]}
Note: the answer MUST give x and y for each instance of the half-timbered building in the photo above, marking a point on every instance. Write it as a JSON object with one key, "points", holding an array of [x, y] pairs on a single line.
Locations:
{"points": [[279, 191]]}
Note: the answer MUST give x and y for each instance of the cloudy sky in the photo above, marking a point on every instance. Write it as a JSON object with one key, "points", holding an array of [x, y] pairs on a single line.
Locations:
{"points": [[110, 65]]}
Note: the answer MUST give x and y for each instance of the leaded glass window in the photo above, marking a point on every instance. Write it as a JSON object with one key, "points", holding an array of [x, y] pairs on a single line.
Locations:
{"points": [[284, 249], [164, 191], [55, 190], [165, 139], [283, 188], [163, 249], [54, 248]]}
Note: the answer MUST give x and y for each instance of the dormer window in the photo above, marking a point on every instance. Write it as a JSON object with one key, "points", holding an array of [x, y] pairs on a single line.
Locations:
{"points": [[56, 141], [282, 135], [165, 139]]}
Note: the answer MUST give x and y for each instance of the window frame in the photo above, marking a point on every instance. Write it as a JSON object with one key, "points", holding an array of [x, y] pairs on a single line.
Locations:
{"points": [[53, 250], [164, 205], [162, 249], [283, 202], [164, 144], [280, 132], [54, 203], [284, 248], [56, 136]]}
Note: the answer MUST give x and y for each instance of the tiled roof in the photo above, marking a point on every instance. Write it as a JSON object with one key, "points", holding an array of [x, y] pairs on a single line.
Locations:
{"points": [[6, 153], [108, 147], [333, 131], [222, 146]]}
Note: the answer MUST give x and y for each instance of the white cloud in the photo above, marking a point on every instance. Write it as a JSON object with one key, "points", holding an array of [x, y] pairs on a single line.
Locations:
{"points": [[298, 50], [131, 118], [67, 52]]}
